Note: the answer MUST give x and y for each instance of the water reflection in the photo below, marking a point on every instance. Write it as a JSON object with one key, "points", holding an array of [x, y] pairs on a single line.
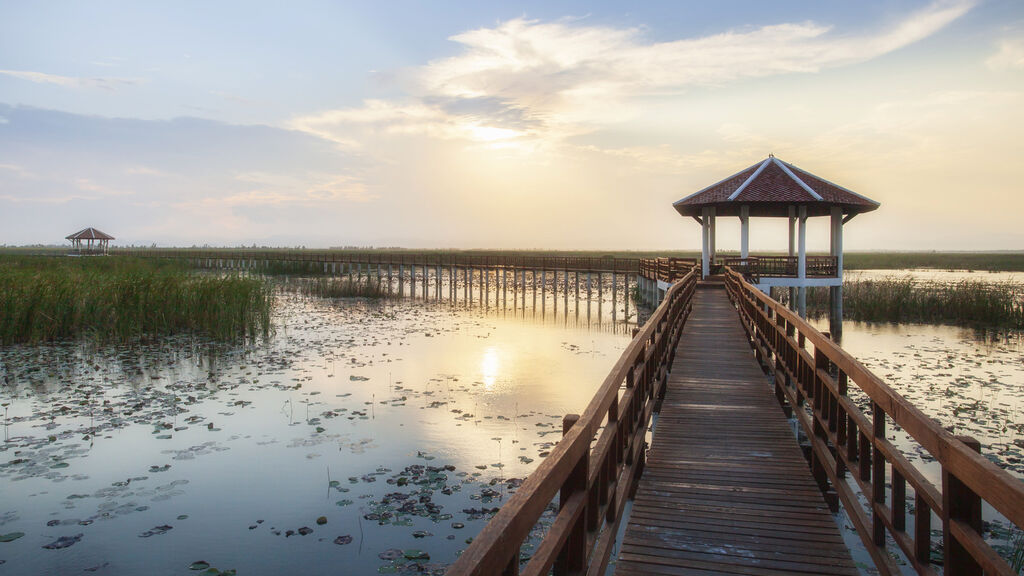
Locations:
{"points": [[234, 447]]}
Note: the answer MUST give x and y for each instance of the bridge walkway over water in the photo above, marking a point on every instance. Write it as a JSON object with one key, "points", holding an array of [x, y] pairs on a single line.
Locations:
{"points": [[726, 489]]}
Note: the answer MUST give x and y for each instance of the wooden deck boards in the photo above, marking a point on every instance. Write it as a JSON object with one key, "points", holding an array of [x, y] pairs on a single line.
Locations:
{"points": [[726, 489]]}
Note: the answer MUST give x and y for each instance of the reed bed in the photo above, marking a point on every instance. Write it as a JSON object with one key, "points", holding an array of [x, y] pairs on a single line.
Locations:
{"points": [[902, 299], [342, 288], [120, 299]]}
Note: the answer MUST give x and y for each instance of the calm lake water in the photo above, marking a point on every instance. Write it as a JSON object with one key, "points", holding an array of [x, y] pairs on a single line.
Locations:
{"points": [[403, 424]]}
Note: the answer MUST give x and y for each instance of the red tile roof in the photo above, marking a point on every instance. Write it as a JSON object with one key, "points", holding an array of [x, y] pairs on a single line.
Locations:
{"points": [[89, 234], [769, 188]]}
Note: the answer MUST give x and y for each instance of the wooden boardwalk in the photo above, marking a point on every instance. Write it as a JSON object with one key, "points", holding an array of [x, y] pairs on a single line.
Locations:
{"points": [[726, 489]]}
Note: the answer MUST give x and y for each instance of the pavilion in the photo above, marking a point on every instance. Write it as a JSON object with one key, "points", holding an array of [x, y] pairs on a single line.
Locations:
{"points": [[776, 189], [90, 241]]}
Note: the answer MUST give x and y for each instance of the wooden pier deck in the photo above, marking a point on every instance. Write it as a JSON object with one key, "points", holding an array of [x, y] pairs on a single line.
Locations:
{"points": [[726, 489]]}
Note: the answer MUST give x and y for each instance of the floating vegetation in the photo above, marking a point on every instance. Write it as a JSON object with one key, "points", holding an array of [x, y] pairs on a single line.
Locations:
{"points": [[44, 299], [904, 299]]}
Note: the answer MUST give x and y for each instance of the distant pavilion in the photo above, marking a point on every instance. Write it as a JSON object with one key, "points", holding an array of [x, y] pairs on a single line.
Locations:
{"points": [[90, 241], [776, 189]]}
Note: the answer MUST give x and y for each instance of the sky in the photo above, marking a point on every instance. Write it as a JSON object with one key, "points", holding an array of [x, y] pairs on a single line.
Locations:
{"points": [[512, 125]]}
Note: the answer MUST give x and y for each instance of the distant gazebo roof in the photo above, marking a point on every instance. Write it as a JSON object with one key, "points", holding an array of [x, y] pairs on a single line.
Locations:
{"points": [[89, 234], [770, 188]]}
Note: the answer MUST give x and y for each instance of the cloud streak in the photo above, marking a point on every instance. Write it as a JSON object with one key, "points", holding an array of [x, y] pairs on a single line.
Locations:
{"points": [[102, 83]]}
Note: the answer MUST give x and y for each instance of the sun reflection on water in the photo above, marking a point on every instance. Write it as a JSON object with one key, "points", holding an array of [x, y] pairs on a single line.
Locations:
{"points": [[490, 365]]}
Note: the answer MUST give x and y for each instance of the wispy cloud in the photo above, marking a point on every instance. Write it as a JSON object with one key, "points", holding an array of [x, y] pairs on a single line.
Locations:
{"points": [[1008, 56], [548, 81], [103, 83]]}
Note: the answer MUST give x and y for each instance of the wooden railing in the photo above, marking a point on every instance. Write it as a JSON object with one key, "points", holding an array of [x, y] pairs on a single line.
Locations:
{"points": [[755, 267], [529, 262], [848, 443], [666, 269], [592, 480]]}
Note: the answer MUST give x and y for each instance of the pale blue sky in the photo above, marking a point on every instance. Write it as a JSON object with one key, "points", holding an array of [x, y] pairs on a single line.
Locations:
{"points": [[529, 125]]}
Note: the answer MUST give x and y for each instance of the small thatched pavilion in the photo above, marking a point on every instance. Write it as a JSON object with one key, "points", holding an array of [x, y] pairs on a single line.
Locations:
{"points": [[90, 241], [773, 188]]}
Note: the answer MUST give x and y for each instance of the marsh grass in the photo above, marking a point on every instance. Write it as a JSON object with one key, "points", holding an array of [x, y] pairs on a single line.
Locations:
{"points": [[343, 288], [120, 299], [903, 299]]}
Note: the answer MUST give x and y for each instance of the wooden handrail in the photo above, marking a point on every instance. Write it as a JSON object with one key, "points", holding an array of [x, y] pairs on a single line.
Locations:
{"points": [[666, 269], [593, 480], [847, 443]]}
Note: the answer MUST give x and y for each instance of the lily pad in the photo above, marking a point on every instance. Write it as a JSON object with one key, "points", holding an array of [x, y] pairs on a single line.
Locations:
{"points": [[11, 537], [63, 542], [415, 554], [199, 565], [342, 540]]}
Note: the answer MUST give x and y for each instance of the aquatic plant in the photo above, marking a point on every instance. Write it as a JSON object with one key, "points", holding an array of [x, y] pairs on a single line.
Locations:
{"points": [[903, 299], [343, 288], [119, 298]]}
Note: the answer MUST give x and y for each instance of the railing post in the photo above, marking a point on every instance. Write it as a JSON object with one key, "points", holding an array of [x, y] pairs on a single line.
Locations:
{"points": [[960, 504], [877, 474], [821, 363], [573, 557]]}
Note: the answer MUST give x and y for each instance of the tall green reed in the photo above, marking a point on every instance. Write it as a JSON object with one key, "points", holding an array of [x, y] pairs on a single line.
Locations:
{"points": [[119, 299]]}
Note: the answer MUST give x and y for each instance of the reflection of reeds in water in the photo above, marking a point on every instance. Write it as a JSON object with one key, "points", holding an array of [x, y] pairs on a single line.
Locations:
{"points": [[118, 298], [903, 299]]}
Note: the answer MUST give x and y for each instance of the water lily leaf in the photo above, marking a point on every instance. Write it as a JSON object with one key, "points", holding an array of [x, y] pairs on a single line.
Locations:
{"points": [[11, 537], [200, 565], [415, 554]]}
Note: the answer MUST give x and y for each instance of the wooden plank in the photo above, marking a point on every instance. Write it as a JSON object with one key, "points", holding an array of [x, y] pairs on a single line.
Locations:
{"points": [[726, 489]]}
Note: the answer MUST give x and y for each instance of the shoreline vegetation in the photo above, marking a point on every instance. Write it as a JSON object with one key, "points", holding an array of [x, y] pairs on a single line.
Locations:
{"points": [[43, 299], [1002, 261], [972, 303], [341, 288]]}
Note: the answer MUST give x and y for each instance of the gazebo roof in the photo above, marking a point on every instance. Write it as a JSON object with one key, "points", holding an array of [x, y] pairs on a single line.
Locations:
{"points": [[769, 188], [89, 234]]}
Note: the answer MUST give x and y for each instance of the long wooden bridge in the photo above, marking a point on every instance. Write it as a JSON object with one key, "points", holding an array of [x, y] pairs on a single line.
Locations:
{"points": [[725, 488]]}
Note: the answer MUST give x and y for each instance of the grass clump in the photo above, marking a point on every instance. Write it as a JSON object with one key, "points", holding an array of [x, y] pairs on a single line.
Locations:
{"points": [[343, 288], [902, 299], [120, 299]]}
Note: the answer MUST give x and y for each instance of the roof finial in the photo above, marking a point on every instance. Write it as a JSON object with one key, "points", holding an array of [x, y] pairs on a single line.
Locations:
{"points": [[770, 155]]}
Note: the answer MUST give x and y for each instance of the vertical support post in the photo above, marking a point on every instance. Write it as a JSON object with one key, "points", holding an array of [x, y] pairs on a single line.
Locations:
{"points": [[744, 231], [959, 503], [573, 557], [713, 236], [614, 299], [705, 237], [877, 473]]}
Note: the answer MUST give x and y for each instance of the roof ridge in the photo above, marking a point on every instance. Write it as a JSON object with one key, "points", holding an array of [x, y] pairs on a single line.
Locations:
{"points": [[843, 188], [751, 178], [796, 178]]}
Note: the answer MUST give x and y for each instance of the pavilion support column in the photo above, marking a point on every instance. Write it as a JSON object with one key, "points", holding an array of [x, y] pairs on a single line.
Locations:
{"points": [[836, 292], [744, 231], [792, 252], [713, 234], [705, 250], [801, 264], [801, 267]]}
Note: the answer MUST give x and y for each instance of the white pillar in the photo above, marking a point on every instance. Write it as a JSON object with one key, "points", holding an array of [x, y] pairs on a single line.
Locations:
{"points": [[705, 245], [744, 231], [801, 267], [792, 230], [712, 240], [837, 238]]}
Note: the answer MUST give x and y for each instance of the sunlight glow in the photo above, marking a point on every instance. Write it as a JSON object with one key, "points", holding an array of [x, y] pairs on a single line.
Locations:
{"points": [[490, 366]]}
